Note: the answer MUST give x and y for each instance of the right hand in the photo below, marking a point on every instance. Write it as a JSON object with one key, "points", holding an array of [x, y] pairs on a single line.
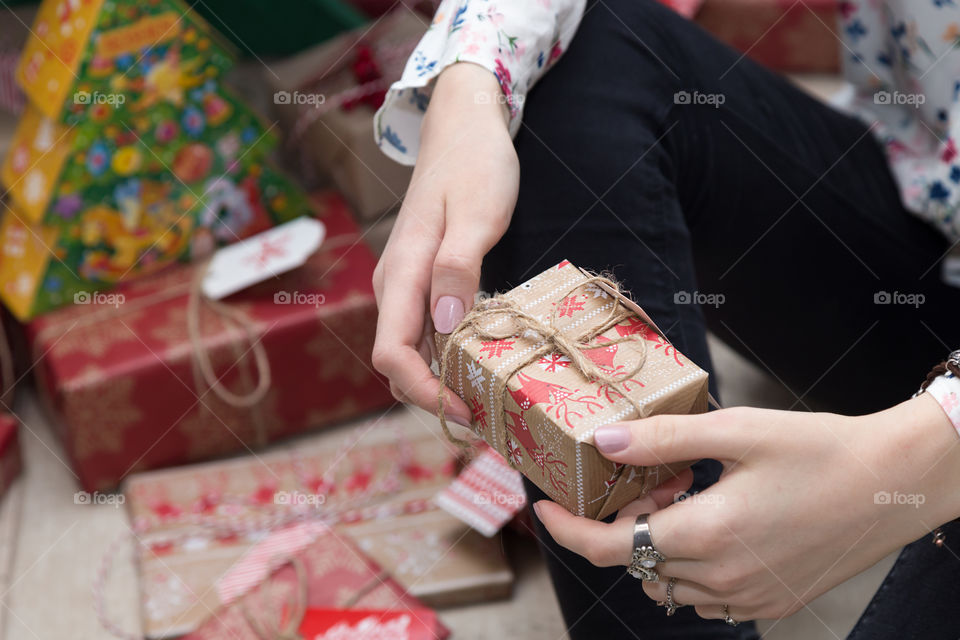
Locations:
{"points": [[459, 204]]}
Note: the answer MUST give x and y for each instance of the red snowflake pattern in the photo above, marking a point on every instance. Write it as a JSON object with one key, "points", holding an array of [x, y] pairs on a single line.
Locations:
{"points": [[479, 413], [568, 305], [495, 348]]}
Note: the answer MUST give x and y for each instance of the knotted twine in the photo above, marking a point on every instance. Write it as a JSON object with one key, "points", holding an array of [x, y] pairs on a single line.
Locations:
{"points": [[482, 319]]}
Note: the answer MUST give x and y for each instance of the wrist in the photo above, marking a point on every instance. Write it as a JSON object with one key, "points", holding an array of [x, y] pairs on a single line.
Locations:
{"points": [[469, 90], [923, 457]]}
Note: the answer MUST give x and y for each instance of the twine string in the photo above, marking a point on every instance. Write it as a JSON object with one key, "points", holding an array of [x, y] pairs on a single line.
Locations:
{"points": [[287, 629], [482, 320]]}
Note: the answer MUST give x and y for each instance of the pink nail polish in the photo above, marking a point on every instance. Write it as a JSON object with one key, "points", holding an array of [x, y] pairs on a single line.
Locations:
{"points": [[612, 438], [536, 510], [460, 421], [447, 314]]}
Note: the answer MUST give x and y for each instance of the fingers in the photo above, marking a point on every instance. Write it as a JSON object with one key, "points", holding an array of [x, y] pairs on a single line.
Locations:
{"points": [[399, 352], [675, 438], [685, 592], [603, 544], [665, 494], [456, 268]]}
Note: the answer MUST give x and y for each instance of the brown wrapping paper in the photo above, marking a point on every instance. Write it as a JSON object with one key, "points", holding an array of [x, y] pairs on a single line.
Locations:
{"points": [[551, 409]]}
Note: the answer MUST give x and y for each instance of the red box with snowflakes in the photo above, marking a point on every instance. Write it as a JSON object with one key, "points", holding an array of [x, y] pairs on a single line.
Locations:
{"points": [[122, 378], [11, 461], [785, 35]]}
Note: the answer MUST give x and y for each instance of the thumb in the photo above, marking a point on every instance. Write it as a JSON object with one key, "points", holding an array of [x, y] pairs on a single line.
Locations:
{"points": [[456, 277], [672, 438]]}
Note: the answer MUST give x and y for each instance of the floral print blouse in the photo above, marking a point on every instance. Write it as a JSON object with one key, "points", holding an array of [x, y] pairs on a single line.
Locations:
{"points": [[901, 58]]}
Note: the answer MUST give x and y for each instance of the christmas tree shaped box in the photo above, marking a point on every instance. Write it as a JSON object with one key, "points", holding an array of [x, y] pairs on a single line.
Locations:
{"points": [[43, 267], [84, 52]]}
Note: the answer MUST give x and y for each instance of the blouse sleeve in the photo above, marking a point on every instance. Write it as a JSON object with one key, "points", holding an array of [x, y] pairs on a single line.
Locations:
{"points": [[516, 40]]}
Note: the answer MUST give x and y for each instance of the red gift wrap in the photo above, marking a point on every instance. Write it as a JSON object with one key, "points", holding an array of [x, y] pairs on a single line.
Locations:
{"points": [[329, 574], [124, 384], [785, 35], [11, 463]]}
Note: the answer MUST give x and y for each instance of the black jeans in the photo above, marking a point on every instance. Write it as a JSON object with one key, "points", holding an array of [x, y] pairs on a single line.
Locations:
{"points": [[695, 175]]}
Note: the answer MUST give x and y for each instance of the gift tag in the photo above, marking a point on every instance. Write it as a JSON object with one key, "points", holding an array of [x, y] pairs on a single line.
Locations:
{"points": [[262, 256], [486, 494], [368, 624]]}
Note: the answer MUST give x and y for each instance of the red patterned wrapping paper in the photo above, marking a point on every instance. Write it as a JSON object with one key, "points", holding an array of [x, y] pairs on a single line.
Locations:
{"points": [[122, 383], [338, 575], [373, 482], [11, 462], [785, 35]]}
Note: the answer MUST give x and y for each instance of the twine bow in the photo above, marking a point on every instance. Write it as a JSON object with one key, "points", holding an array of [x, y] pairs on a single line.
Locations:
{"points": [[288, 628], [482, 320]]}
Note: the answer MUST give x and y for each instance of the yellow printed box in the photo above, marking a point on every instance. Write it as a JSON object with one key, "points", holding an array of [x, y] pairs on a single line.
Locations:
{"points": [[97, 51]]}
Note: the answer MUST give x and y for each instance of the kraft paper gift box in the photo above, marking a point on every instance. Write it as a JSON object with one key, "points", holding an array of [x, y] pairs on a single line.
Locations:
{"points": [[331, 573], [543, 423], [331, 138], [373, 481], [120, 374], [784, 35]]}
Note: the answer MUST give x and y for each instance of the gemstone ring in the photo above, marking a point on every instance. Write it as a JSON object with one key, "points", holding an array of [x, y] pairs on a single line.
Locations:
{"points": [[645, 555]]}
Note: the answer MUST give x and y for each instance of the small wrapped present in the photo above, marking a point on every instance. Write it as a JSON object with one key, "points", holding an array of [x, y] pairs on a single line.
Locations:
{"points": [[784, 35], [204, 529], [326, 98], [152, 374], [302, 597], [542, 366]]}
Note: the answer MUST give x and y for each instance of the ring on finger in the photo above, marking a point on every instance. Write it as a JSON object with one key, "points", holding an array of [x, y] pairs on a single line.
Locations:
{"points": [[725, 611], [670, 603], [645, 554]]}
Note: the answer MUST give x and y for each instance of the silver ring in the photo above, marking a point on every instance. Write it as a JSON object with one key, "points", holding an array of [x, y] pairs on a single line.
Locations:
{"points": [[645, 555], [725, 610], [670, 604]]}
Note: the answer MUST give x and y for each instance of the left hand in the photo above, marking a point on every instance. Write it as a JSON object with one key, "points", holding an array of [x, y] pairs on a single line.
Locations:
{"points": [[800, 506]]}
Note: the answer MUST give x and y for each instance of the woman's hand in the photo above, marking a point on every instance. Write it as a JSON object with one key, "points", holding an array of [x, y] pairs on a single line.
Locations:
{"points": [[806, 501], [459, 203]]}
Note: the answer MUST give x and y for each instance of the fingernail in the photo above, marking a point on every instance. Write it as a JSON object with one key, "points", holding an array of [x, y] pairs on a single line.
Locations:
{"points": [[460, 421], [536, 510], [612, 438], [447, 314]]}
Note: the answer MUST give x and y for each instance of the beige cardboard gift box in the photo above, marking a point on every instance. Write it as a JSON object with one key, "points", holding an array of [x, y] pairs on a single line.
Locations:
{"points": [[337, 143], [543, 423]]}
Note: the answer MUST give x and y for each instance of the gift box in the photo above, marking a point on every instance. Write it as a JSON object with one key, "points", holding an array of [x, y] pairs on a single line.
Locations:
{"points": [[122, 373], [306, 594], [45, 266], [784, 35], [11, 462], [325, 100], [372, 483], [142, 53], [542, 366]]}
